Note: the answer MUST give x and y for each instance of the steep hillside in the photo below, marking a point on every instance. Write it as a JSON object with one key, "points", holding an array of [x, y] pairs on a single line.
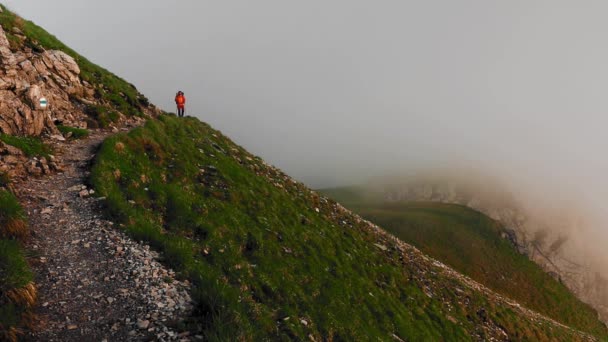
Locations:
{"points": [[475, 245], [270, 258], [555, 237]]}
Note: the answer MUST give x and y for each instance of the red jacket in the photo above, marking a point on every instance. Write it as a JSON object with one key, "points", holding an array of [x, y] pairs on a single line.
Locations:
{"points": [[180, 100]]}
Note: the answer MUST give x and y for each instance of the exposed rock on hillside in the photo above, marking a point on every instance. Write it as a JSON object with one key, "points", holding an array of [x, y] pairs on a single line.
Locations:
{"points": [[26, 77], [29, 72]]}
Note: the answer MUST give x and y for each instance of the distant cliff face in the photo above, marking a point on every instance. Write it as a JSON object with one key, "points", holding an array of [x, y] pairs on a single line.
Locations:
{"points": [[545, 240], [26, 77]]}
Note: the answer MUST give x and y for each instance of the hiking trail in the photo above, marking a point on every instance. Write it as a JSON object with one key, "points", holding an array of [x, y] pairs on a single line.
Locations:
{"points": [[94, 283]]}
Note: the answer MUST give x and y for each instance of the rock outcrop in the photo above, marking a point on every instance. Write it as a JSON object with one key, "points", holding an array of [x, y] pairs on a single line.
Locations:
{"points": [[15, 164], [27, 76], [30, 73]]}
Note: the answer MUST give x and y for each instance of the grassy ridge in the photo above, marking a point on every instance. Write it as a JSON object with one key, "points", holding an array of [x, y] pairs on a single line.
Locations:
{"points": [[271, 259], [17, 293], [471, 243], [116, 93]]}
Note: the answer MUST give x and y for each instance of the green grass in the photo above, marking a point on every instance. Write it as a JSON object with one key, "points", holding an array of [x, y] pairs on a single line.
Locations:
{"points": [[103, 116], [116, 93], [76, 133], [14, 270], [471, 243], [30, 146], [262, 258], [16, 292]]}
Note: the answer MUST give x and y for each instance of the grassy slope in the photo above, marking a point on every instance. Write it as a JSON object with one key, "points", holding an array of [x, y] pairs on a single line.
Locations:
{"points": [[117, 94], [263, 259], [471, 243], [16, 293], [30, 146], [73, 132]]}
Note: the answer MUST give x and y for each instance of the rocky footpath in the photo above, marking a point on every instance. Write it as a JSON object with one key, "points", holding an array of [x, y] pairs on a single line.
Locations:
{"points": [[95, 283]]}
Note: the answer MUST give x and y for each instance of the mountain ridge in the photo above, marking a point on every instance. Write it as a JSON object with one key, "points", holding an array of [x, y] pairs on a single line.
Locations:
{"points": [[544, 238]]}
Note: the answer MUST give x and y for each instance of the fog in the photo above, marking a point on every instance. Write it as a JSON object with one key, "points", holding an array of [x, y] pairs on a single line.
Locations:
{"points": [[337, 92]]}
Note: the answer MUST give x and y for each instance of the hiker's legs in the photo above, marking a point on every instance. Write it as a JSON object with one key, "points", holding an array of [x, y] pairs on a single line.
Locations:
{"points": [[180, 111]]}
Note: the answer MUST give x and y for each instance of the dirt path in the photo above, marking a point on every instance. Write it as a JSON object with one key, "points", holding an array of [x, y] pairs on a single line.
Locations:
{"points": [[94, 283]]}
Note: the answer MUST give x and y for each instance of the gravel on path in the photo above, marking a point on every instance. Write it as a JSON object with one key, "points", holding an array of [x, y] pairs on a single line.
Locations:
{"points": [[94, 282]]}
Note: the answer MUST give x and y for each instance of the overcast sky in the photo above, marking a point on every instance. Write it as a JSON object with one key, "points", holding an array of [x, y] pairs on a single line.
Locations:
{"points": [[337, 91]]}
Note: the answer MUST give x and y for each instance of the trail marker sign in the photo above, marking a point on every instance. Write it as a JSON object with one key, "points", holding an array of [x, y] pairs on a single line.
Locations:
{"points": [[43, 103]]}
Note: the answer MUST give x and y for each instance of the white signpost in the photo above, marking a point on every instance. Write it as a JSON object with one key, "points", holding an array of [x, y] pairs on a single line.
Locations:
{"points": [[43, 103]]}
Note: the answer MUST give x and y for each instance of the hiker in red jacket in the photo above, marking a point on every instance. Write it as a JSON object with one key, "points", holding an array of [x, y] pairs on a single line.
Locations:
{"points": [[180, 101]]}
